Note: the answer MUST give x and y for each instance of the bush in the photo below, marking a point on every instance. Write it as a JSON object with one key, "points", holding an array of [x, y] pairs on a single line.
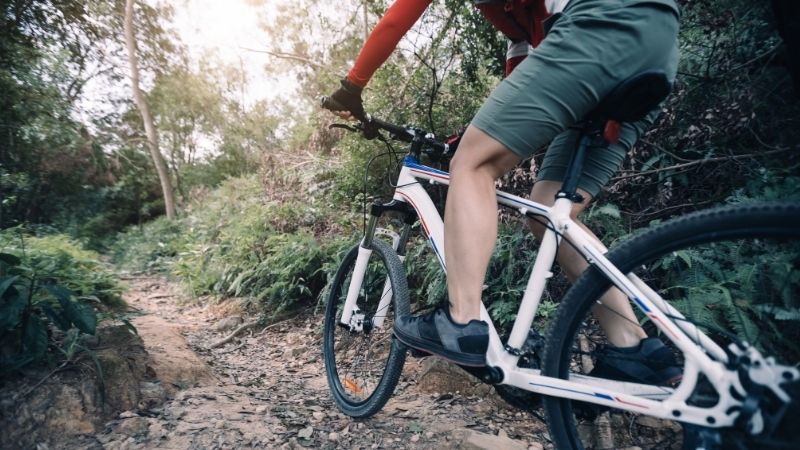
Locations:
{"points": [[234, 243], [49, 284]]}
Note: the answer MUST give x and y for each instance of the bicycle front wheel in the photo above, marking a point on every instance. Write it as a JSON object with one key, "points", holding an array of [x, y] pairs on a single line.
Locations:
{"points": [[733, 273], [363, 360]]}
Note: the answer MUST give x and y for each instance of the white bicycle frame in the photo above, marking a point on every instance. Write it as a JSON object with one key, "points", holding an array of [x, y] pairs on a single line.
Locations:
{"points": [[701, 354]]}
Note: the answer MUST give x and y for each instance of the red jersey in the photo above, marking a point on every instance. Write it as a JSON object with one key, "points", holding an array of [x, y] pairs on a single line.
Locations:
{"points": [[403, 14]]}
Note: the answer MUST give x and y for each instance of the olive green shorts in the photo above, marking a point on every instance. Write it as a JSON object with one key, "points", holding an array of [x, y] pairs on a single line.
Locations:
{"points": [[593, 47]]}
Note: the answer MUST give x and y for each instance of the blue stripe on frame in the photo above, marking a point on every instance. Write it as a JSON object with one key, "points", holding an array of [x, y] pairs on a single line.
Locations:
{"points": [[641, 305], [590, 394], [412, 163], [438, 255]]}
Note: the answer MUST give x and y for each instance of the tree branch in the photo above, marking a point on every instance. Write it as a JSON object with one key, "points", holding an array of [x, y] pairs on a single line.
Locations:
{"points": [[699, 162], [289, 56]]}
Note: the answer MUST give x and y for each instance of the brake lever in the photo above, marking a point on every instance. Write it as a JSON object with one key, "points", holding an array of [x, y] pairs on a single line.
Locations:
{"points": [[345, 127]]}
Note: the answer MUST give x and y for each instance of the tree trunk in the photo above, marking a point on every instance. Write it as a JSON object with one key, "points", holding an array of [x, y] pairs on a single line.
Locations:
{"points": [[152, 138]]}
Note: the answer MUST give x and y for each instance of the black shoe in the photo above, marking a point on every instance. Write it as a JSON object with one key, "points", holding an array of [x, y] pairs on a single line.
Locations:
{"points": [[436, 333], [650, 362]]}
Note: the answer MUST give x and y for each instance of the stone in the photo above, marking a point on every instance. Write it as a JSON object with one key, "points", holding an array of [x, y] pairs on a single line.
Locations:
{"points": [[151, 395], [306, 432], [475, 440], [227, 323], [415, 438], [333, 436], [134, 426], [439, 376], [261, 409], [318, 415], [219, 424]]}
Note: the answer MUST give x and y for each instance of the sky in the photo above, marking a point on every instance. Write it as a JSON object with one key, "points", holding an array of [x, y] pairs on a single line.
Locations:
{"points": [[228, 27]]}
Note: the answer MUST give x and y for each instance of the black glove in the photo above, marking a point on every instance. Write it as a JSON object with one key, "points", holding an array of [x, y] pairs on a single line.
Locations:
{"points": [[349, 99]]}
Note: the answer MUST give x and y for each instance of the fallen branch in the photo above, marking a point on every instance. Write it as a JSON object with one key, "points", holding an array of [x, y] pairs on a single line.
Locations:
{"points": [[45, 378], [699, 162], [242, 328], [274, 325]]}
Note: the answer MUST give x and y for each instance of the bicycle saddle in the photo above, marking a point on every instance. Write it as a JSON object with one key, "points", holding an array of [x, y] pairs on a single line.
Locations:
{"points": [[634, 97]]}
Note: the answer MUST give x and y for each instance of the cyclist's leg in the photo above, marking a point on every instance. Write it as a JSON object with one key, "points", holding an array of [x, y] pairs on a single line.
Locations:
{"points": [[615, 314], [620, 325], [470, 218]]}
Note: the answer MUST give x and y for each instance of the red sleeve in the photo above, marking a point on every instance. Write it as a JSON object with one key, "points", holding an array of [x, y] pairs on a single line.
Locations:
{"points": [[394, 24]]}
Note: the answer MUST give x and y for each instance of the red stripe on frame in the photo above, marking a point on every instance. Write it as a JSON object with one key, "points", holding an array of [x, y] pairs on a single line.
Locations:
{"points": [[630, 403], [666, 327], [421, 219]]}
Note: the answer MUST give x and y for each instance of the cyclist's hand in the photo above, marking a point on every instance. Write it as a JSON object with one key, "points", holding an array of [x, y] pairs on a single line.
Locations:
{"points": [[347, 99]]}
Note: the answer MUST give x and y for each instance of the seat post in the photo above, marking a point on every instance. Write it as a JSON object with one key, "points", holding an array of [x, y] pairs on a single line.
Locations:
{"points": [[590, 132]]}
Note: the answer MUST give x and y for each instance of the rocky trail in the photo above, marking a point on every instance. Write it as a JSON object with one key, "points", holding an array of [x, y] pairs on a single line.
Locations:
{"points": [[266, 388]]}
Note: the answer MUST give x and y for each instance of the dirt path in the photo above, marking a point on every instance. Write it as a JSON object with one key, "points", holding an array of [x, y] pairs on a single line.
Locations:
{"points": [[268, 390]]}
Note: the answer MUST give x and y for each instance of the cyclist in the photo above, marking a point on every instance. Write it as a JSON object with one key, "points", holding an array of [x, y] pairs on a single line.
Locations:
{"points": [[591, 47]]}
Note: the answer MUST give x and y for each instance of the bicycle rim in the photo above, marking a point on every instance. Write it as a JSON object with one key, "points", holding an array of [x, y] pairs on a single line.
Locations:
{"points": [[364, 365], [733, 273]]}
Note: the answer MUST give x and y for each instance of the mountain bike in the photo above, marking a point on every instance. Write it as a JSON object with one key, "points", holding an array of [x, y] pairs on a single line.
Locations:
{"points": [[720, 286]]}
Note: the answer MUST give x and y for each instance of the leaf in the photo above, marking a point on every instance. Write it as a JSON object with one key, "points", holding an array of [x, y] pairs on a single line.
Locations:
{"points": [[6, 283], [11, 364], [11, 260], [650, 162], [57, 317], [608, 210], [10, 312], [35, 336], [82, 316], [130, 326]]}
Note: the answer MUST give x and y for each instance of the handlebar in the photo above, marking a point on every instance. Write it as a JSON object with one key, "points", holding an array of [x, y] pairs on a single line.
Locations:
{"points": [[370, 126]]}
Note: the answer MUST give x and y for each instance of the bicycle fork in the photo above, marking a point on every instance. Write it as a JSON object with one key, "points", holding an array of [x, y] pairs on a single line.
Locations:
{"points": [[352, 317]]}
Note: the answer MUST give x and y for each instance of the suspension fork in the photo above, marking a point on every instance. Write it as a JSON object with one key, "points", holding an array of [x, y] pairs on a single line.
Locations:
{"points": [[351, 315]]}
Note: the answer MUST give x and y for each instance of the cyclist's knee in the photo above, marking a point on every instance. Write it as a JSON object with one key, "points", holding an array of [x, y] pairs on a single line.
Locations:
{"points": [[480, 154]]}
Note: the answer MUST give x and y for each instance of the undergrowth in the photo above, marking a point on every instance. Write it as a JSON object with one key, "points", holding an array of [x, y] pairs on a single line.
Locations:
{"points": [[235, 243], [52, 292]]}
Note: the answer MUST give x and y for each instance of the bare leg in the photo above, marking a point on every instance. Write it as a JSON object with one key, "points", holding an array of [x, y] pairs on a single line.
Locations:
{"points": [[615, 314], [470, 218]]}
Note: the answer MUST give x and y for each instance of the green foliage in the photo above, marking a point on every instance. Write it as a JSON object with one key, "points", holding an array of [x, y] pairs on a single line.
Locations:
{"points": [[233, 243], [505, 281], [749, 287], [50, 292], [59, 259]]}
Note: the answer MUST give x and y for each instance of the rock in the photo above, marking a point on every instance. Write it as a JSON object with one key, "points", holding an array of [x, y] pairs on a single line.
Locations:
{"points": [[333, 436], [134, 426], [306, 432], [151, 395], [227, 323], [439, 376], [475, 440], [261, 409], [415, 438], [70, 403], [535, 446], [318, 415], [127, 415], [176, 412], [219, 424]]}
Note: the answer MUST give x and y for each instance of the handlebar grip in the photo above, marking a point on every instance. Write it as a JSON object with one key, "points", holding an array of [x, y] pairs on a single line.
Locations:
{"points": [[331, 104]]}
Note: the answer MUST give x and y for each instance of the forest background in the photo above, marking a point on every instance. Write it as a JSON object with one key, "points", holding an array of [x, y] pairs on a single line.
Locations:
{"points": [[268, 197]]}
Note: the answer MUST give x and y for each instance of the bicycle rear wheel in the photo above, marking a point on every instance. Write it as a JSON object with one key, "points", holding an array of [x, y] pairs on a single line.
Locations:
{"points": [[731, 271], [363, 363]]}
